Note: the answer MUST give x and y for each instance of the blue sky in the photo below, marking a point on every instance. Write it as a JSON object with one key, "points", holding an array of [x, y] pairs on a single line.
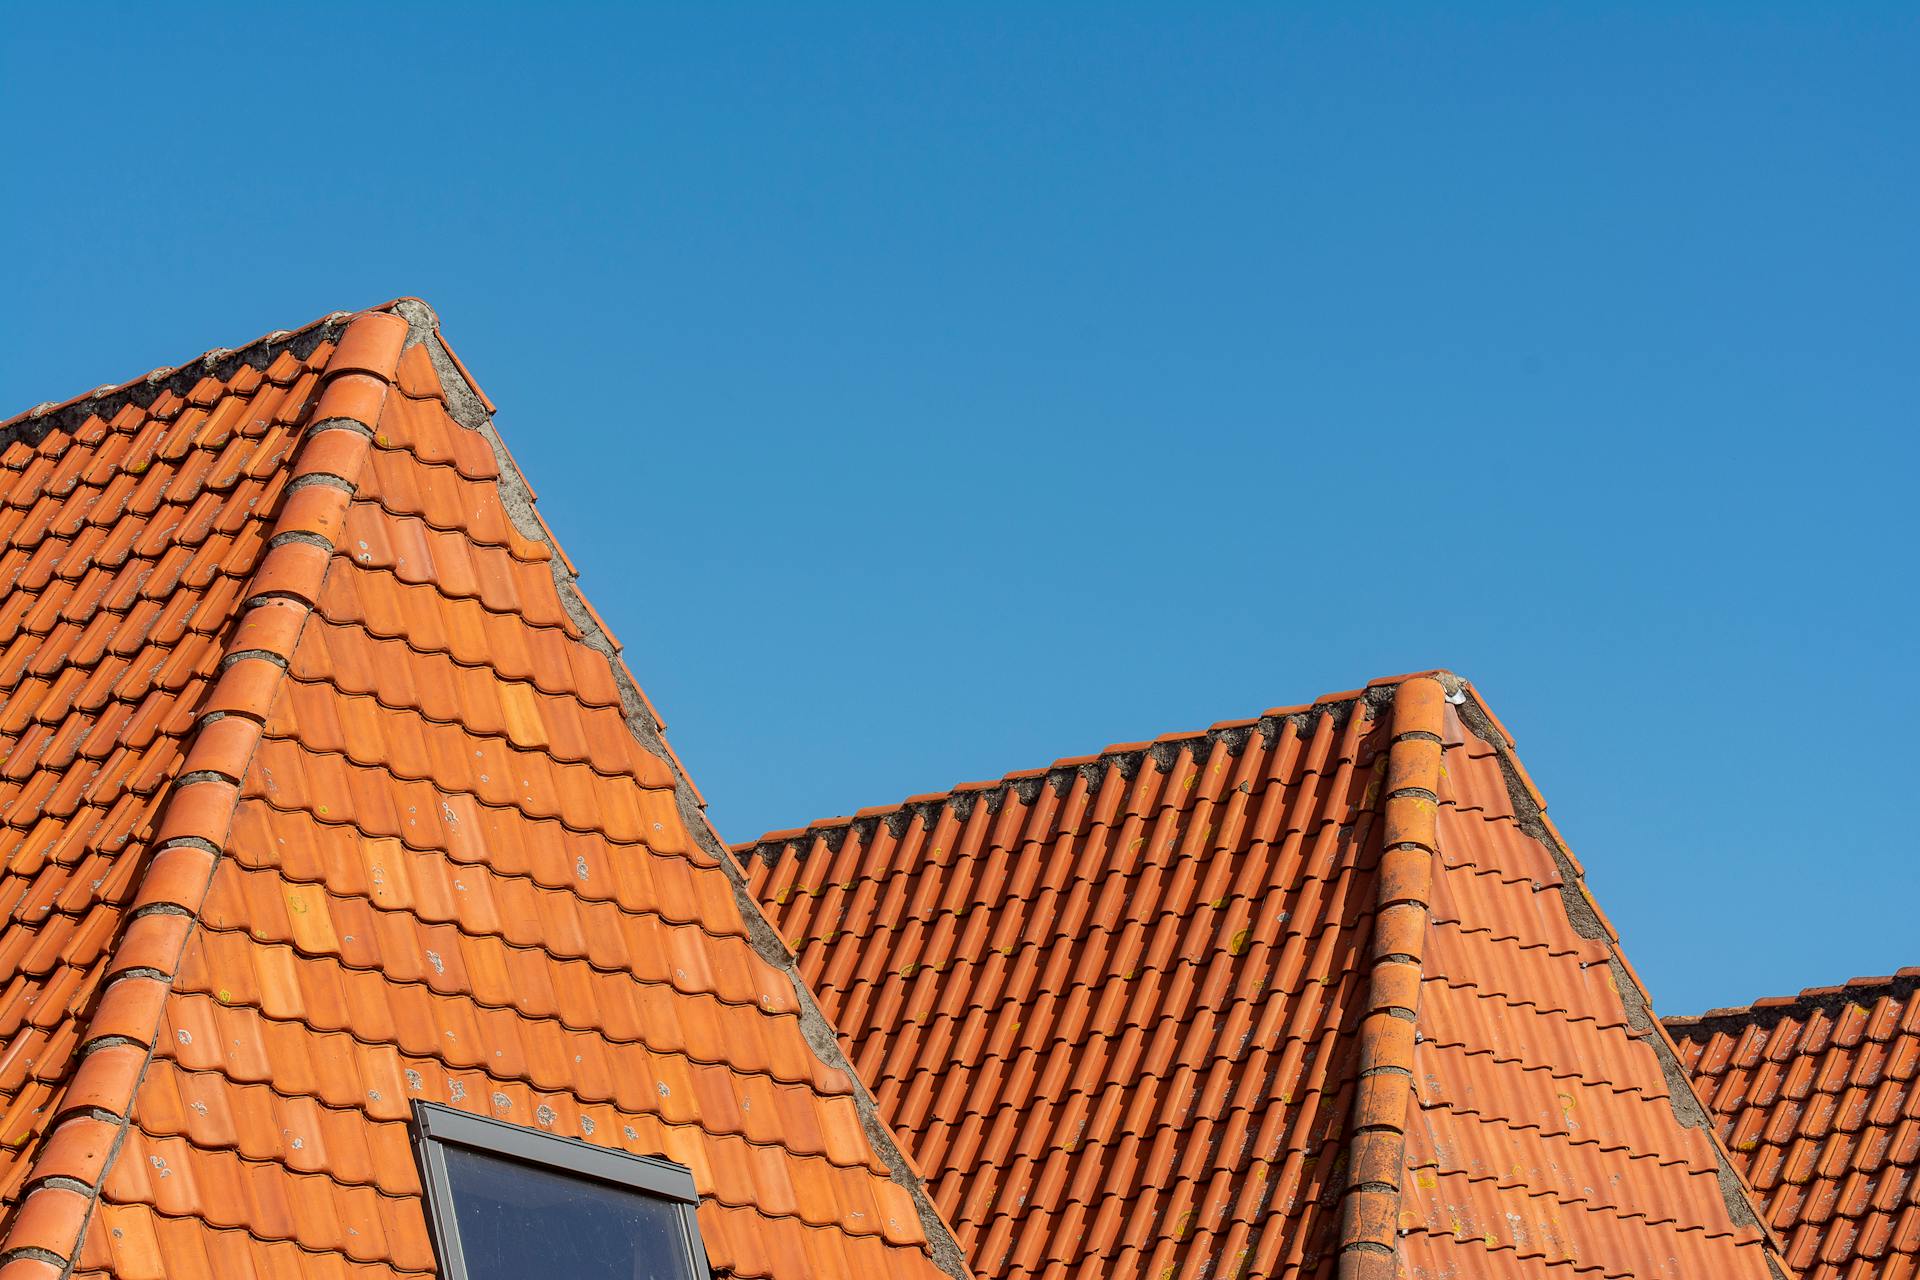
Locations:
{"points": [[929, 393]]}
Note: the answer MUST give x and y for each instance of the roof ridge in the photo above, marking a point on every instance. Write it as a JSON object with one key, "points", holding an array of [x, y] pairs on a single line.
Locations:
{"points": [[1772, 1009], [219, 363], [250, 647], [470, 408], [117, 1040], [1383, 1100], [1127, 756], [145, 389]]}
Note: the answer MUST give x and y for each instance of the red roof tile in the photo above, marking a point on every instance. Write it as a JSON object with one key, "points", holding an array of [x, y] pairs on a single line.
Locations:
{"points": [[321, 793], [1818, 1098], [1321, 993]]}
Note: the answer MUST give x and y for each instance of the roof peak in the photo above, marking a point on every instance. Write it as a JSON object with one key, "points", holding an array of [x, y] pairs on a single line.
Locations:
{"points": [[275, 709], [1054, 986], [65, 1173]]}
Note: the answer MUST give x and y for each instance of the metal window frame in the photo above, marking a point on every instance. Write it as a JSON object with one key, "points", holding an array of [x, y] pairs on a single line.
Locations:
{"points": [[436, 1126]]}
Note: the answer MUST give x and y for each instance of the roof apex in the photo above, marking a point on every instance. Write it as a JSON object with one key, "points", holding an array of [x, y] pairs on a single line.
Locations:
{"points": [[369, 421]]}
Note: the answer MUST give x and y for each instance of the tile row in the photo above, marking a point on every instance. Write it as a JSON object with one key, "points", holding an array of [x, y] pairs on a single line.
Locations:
{"points": [[362, 1091], [1003, 887], [396, 1003], [367, 1172], [132, 1241], [441, 889], [436, 515], [520, 715], [426, 814], [416, 747], [704, 949]]}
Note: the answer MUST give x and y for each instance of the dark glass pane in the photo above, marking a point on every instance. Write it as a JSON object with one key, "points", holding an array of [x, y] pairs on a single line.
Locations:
{"points": [[519, 1220]]}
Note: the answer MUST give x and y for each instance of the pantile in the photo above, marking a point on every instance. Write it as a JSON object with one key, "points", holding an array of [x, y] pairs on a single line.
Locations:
{"points": [[323, 792], [1318, 993], [1817, 1096], [320, 797]]}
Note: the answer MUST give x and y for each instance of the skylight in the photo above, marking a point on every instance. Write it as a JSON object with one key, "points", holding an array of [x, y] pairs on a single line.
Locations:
{"points": [[508, 1202]]}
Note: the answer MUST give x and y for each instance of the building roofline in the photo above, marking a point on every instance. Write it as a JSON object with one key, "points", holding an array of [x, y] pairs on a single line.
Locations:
{"points": [[67, 1172], [220, 363], [117, 1039], [1768, 1011], [1368, 1231], [1122, 757]]}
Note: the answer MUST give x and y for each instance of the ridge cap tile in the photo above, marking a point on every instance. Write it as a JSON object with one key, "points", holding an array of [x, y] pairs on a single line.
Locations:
{"points": [[120, 1032], [223, 740], [1235, 938], [1355, 802]]}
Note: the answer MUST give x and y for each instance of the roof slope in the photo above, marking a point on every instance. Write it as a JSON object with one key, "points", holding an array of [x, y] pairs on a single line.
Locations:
{"points": [[1315, 994], [1818, 1098], [324, 791]]}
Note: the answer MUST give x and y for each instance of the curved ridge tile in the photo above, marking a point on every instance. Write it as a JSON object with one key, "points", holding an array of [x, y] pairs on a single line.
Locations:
{"points": [[1551, 1129], [77, 1157], [1383, 1103], [451, 858], [1303, 995]]}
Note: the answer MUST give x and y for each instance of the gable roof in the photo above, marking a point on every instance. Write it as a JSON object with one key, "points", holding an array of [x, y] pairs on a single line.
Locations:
{"points": [[1318, 993], [1817, 1096], [323, 790]]}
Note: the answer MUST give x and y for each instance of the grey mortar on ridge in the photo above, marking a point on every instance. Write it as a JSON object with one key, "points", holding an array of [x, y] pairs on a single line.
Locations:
{"points": [[467, 409], [35, 424], [1060, 777], [1585, 921], [1830, 1002]]}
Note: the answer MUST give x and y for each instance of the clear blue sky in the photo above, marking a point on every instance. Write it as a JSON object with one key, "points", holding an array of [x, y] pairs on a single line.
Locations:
{"points": [[929, 394]]}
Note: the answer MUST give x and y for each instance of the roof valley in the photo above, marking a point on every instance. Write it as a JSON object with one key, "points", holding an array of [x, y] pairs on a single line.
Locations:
{"points": [[117, 1042]]}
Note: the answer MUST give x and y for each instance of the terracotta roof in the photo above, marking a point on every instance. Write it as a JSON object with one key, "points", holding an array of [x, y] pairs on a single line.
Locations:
{"points": [[323, 790], [1317, 993], [1818, 1098]]}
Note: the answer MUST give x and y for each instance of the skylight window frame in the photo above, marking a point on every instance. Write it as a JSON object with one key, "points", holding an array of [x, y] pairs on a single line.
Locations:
{"points": [[436, 1127]]}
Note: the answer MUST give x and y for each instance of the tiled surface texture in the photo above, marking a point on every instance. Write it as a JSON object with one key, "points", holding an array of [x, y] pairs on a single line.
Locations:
{"points": [[1313, 994], [1818, 1098], [1546, 1140], [322, 793]]}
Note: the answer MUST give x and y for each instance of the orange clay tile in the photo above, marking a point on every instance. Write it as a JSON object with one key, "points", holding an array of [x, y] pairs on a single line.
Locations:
{"points": [[1314, 994], [1817, 1096], [318, 798]]}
